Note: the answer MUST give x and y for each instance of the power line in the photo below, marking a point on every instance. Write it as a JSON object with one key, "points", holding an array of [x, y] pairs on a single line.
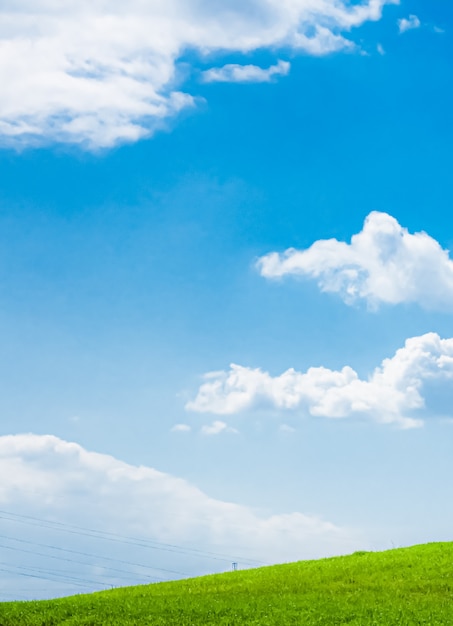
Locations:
{"points": [[44, 575], [108, 536], [61, 558], [95, 556]]}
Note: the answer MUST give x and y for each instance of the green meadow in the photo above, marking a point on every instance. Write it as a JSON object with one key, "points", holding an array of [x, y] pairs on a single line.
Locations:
{"points": [[403, 586]]}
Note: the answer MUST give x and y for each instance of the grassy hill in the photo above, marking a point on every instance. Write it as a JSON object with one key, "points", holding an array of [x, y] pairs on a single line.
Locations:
{"points": [[397, 587]]}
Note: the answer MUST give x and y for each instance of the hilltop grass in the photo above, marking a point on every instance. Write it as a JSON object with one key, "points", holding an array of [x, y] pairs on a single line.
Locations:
{"points": [[398, 587]]}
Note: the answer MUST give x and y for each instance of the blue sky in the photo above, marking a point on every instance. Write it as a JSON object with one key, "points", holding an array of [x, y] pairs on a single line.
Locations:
{"points": [[142, 188]]}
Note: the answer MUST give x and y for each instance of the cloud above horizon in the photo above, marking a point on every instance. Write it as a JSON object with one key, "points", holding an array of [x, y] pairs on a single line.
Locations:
{"points": [[83, 74], [383, 264], [393, 394], [46, 477]]}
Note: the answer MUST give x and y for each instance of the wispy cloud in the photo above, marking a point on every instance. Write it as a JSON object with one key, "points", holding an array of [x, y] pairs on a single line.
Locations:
{"points": [[393, 394], [383, 264], [216, 428], [181, 428], [234, 73], [409, 23], [285, 428], [88, 74]]}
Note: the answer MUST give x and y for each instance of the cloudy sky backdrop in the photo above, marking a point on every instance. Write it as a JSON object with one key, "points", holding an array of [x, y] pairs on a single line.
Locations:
{"points": [[226, 285]]}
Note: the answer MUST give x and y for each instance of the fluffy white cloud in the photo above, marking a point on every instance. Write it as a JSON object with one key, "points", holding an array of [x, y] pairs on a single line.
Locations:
{"points": [[408, 23], [97, 75], [234, 73], [45, 477], [383, 264], [392, 394], [216, 428]]}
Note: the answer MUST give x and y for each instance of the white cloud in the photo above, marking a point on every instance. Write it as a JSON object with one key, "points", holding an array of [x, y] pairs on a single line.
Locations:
{"points": [[46, 477], [392, 394], [84, 73], [234, 73], [383, 264], [181, 428], [284, 428], [216, 428], [409, 23], [380, 49]]}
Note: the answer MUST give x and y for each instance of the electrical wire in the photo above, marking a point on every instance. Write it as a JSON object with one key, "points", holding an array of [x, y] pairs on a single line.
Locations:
{"points": [[44, 575], [60, 558], [108, 536], [95, 556]]}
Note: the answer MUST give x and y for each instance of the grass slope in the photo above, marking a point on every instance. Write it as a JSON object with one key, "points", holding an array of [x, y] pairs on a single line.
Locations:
{"points": [[401, 587]]}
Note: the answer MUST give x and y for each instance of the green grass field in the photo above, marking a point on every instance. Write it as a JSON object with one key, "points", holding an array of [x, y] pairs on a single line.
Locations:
{"points": [[403, 586]]}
